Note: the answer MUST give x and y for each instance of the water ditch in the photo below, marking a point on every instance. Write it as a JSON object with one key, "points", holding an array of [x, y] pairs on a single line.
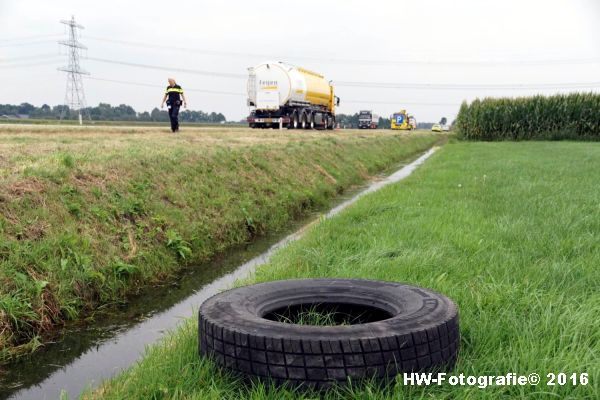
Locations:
{"points": [[88, 354]]}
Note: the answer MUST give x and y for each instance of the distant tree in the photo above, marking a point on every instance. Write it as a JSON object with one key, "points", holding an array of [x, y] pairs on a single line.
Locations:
{"points": [[159, 116], [443, 121], [57, 111], [25, 108], [384, 123], [125, 113], [144, 116], [346, 120]]}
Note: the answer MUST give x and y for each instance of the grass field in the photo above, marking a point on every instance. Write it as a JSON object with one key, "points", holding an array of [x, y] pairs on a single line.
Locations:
{"points": [[90, 215], [510, 231]]}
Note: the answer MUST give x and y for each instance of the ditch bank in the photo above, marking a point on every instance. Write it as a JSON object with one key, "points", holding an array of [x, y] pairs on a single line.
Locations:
{"points": [[83, 229], [84, 360]]}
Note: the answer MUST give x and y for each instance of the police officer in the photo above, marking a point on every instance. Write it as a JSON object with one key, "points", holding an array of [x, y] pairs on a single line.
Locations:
{"points": [[173, 96]]}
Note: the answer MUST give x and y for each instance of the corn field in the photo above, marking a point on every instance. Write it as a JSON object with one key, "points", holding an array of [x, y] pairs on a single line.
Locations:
{"points": [[574, 116]]}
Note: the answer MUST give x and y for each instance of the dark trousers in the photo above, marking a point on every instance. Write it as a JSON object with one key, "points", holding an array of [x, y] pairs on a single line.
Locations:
{"points": [[174, 116]]}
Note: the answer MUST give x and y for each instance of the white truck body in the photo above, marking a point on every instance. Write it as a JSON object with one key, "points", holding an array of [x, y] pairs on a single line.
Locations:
{"points": [[272, 85]]}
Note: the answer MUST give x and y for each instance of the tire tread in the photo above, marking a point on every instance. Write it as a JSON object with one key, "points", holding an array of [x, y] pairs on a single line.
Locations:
{"points": [[320, 364]]}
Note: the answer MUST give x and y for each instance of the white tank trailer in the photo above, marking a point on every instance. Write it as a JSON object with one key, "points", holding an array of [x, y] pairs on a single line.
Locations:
{"points": [[282, 95]]}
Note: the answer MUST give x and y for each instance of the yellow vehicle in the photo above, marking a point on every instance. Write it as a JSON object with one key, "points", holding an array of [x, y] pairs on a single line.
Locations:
{"points": [[401, 121], [436, 128]]}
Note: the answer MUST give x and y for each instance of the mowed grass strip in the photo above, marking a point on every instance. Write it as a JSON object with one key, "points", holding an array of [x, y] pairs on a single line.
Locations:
{"points": [[90, 215], [510, 231]]}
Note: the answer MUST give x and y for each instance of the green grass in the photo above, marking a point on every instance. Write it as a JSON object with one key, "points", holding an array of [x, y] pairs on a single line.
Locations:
{"points": [[316, 315], [88, 216], [510, 231]]}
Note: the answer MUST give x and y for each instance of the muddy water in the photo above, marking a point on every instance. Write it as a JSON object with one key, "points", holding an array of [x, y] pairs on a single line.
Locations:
{"points": [[87, 355]]}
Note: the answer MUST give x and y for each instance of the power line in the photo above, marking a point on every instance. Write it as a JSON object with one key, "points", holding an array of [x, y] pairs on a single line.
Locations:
{"points": [[162, 87], [30, 57], [378, 85], [29, 37], [27, 43], [450, 86], [400, 102], [171, 69], [559, 61], [151, 85], [30, 64], [488, 63]]}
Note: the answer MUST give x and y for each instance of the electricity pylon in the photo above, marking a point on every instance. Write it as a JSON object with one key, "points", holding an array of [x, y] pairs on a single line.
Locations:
{"points": [[75, 96]]}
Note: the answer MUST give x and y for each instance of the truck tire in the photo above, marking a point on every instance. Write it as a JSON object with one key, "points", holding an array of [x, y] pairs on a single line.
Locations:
{"points": [[311, 121], [331, 123], [399, 328], [294, 121], [303, 120]]}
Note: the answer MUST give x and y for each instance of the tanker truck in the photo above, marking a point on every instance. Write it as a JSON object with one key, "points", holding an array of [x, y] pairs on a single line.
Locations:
{"points": [[281, 95]]}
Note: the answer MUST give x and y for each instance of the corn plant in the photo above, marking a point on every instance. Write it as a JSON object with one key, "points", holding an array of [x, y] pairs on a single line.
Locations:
{"points": [[574, 116]]}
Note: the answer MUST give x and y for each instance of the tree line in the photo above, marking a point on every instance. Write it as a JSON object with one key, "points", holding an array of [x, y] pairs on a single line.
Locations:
{"points": [[104, 112]]}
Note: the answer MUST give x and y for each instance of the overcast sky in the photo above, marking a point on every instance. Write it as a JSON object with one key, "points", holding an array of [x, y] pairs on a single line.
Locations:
{"points": [[423, 42]]}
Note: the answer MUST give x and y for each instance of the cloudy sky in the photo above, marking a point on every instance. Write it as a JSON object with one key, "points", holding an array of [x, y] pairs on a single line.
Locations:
{"points": [[422, 55]]}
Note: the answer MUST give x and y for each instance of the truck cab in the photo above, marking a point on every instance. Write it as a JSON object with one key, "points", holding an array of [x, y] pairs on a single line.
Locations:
{"points": [[367, 120], [401, 121]]}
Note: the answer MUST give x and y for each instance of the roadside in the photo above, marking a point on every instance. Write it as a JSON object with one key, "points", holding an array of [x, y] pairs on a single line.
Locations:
{"points": [[507, 230]]}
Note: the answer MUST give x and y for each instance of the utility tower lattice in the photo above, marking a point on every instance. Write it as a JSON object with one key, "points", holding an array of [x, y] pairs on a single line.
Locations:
{"points": [[75, 96]]}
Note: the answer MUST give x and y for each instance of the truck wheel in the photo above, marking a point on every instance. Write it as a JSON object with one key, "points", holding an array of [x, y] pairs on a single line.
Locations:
{"points": [[374, 329], [304, 121], [294, 121], [311, 119], [331, 124]]}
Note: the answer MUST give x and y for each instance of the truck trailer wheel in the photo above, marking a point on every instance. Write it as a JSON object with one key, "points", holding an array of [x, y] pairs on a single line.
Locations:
{"points": [[373, 329], [303, 120], [311, 120], [293, 121], [330, 122]]}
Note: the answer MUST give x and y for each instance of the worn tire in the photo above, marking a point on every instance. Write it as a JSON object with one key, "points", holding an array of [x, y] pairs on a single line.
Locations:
{"points": [[293, 121], [303, 120], [420, 333], [331, 125]]}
